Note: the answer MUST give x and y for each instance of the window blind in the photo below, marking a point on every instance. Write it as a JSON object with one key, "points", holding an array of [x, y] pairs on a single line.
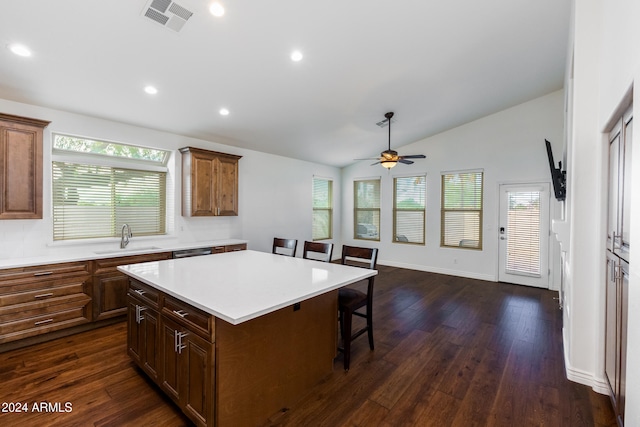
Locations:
{"points": [[322, 221], [91, 201], [523, 231], [409, 209], [367, 209], [461, 215]]}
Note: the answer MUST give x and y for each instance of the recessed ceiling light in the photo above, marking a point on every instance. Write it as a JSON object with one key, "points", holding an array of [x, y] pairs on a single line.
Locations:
{"points": [[296, 56], [216, 9], [151, 90], [20, 50], [224, 112]]}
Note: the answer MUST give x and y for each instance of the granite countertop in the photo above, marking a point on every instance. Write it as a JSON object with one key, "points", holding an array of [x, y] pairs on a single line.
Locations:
{"points": [[74, 253], [240, 286]]}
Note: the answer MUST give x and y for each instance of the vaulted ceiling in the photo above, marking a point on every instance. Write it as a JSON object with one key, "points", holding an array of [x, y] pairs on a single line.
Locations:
{"points": [[437, 65]]}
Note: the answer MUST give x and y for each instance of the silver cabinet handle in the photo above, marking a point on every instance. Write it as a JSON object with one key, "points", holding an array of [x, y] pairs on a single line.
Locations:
{"points": [[48, 294], [42, 322], [180, 313], [177, 340], [139, 310], [139, 292]]}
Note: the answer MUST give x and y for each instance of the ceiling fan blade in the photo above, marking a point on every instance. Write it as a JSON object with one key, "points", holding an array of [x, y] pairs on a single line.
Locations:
{"points": [[369, 158], [406, 162], [415, 156], [372, 164]]}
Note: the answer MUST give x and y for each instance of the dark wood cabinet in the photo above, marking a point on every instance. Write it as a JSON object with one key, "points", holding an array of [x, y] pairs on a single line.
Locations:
{"points": [[110, 286], [209, 183], [142, 341], [616, 314], [187, 369], [174, 344], [617, 267], [21, 167], [41, 299]]}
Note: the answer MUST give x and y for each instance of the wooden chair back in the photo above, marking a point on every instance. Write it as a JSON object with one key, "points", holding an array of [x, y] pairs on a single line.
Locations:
{"points": [[318, 251], [286, 247]]}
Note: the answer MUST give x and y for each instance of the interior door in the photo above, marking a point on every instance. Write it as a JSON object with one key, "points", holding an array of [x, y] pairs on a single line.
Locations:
{"points": [[523, 234]]}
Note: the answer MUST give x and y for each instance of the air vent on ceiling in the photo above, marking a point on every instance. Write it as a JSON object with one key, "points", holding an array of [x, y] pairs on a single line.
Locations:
{"points": [[385, 122], [167, 13]]}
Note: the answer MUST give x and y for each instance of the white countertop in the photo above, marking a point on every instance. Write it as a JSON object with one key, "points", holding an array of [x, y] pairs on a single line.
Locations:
{"points": [[71, 254], [240, 286]]}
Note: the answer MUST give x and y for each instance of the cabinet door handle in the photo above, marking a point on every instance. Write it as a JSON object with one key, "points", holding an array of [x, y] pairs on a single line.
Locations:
{"points": [[48, 294], [139, 292], [43, 273], [177, 341], [42, 322], [180, 313], [139, 310]]}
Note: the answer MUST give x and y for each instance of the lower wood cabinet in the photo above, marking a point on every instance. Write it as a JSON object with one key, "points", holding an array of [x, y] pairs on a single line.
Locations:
{"points": [[166, 338], [41, 299], [616, 313], [110, 286], [142, 336], [187, 370]]}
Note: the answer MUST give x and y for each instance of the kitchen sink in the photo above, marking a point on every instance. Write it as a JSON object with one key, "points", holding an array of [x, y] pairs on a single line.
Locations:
{"points": [[127, 250]]}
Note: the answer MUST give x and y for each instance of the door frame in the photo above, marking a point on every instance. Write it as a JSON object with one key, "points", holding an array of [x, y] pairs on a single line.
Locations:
{"points": [[549, 247]]}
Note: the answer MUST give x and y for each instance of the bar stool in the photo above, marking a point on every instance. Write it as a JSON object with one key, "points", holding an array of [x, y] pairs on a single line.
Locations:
{"points": [[350, 300]]}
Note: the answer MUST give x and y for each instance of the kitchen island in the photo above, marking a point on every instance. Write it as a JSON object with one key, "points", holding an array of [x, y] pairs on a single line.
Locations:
{"points": [[237, 337]]}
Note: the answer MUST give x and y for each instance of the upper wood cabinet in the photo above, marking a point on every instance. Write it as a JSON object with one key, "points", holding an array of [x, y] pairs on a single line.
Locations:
{"points": [[209, 183], [21, 167]]}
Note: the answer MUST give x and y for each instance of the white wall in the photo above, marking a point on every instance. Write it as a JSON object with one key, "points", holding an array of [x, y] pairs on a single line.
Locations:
{"points": [[508, 145], [274, 193], [605, 42]]}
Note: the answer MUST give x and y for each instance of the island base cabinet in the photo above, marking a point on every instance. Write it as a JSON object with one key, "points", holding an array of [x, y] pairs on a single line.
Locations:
{"points": [[142, 342], [227, 375], [187, 370]]}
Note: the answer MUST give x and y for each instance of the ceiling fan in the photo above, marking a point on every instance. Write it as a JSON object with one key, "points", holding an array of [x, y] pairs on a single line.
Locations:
{"points": [[389, 158]]}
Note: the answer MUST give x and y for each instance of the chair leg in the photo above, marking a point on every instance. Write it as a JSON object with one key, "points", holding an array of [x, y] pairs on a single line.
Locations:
{"points": [[346, 337], [370, 327]]}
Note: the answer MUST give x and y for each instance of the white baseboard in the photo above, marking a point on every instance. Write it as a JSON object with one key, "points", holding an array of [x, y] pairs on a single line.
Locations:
{"points": [[467, 274], [598, 384]]}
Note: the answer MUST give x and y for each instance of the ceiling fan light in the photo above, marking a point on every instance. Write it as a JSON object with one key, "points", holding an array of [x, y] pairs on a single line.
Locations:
{"points": [[388, 163]]}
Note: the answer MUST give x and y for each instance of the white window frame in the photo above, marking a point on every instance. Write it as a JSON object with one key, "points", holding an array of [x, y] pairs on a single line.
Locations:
{"points": [[470, 240], [397, 238], [104, 163]]}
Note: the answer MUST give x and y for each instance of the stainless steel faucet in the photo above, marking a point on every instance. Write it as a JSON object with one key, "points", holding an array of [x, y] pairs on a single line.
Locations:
{"points": [[126, 235]]}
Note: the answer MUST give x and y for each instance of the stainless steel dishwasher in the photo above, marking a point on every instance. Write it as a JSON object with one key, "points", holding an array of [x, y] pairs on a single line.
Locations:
{"points": [[191, 252]]}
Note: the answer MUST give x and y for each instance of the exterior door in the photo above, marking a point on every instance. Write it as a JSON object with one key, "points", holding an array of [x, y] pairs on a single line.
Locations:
{"points": [[523, 234]]}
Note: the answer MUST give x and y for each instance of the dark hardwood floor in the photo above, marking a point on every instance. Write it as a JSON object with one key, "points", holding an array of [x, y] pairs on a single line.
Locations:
{"points": [[449, 352]]}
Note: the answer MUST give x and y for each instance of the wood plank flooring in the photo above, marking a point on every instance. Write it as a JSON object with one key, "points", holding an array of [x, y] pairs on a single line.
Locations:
{"points": [[449, 352]]}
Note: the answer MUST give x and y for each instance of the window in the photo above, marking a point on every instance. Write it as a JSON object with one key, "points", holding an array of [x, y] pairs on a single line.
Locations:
{"points": [[367, 209], [409, 209], [322, 222], [99, 186], [461, 216]]}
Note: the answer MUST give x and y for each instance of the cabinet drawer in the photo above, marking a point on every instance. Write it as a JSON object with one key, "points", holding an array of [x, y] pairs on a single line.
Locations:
{"points": [[218, 250], [16, 280], [234, 248], [41, 294], [144, 293], [48, 319], [43, 324], [38, 308], [199, 321], [109, 265]]}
